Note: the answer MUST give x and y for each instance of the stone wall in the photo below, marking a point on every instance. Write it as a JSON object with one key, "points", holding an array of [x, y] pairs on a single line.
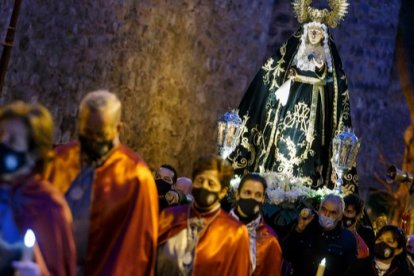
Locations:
{"points": [[178, 65]]}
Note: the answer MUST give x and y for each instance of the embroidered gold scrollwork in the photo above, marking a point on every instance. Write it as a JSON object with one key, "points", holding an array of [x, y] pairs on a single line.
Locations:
{"points": [[274, 71], [299, 118]]}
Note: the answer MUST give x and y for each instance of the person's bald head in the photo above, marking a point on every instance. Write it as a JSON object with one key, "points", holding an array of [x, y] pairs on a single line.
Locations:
{"points": [[184, 184], [101, 101], [100, 115]]}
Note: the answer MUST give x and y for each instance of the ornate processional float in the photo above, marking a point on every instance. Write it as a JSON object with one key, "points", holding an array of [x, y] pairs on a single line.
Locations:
{"points": [[293, 125]]}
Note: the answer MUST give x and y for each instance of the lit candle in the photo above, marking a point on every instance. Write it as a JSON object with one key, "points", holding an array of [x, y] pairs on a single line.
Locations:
{"points": [[29, 241], [321, 268]]}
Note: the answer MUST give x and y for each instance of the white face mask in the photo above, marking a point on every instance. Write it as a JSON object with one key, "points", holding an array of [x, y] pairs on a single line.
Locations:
{"points": [[327, 223]]}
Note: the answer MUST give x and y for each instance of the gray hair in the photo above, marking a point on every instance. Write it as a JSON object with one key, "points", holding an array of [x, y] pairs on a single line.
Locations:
{"points": [[338, 200], [102, 101]]}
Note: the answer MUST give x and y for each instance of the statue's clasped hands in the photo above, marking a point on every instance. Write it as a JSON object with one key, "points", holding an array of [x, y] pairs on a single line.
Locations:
{"points": [[312, 58]]}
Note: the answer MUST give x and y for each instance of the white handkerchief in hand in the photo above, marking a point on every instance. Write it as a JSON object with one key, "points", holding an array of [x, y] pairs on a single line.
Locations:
{"points": [[282, 94]]}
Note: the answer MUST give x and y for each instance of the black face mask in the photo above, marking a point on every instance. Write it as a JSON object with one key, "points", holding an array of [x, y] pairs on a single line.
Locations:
{"points": [[250, 207], [10, 160], [348, 222], [162, 187], [383, 251], [204, 198], [94, 150]]}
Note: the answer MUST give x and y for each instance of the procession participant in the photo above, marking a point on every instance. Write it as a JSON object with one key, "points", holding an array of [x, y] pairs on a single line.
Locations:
{"points": [[200, 238], [321, 236], [265, 250], [110, 191], [27, 201]]}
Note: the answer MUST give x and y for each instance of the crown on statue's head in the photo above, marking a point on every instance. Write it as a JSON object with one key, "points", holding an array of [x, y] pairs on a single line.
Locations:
{"points": [[305, 13]]}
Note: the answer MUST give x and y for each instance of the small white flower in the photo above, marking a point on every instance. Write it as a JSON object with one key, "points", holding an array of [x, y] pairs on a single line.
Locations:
{"points": [[235, 182]]}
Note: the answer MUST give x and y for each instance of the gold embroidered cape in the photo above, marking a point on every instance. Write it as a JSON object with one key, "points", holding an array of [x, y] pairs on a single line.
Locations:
{"points": [[295, 138]]}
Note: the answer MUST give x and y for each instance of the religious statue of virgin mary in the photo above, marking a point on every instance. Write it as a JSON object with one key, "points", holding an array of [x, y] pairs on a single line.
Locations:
{"points": [[296, 104]]}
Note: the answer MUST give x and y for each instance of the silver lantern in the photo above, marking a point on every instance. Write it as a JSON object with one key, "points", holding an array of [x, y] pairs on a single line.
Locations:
{"points": [[228, 130], [345, 146]]}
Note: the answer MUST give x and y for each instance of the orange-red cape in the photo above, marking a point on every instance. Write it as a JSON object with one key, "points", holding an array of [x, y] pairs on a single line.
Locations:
{"points": [[268, 252], [223, 249], [124, 211], [40, 207]]}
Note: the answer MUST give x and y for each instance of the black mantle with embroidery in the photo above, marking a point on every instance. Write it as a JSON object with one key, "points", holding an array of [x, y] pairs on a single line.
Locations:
{"points": [[294, 139]]}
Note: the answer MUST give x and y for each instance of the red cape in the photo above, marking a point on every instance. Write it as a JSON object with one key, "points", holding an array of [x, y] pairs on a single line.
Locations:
{"points": [[268, 252], [124, 211], [223, 249], [40, 207]]}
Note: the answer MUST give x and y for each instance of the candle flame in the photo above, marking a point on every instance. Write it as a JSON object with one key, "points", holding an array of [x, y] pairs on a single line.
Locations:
{"points": [[29, 238], [323, 262]]}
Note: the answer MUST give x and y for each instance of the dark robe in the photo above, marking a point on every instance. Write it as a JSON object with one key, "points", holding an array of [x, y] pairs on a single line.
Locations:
{"points": [[306, 250], [294, 139], [366, 267]]}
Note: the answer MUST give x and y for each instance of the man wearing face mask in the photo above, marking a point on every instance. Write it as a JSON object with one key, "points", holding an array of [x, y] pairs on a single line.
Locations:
{"points": [[389, 256], [352, 214], [165, 179], [265, 250], [111, 193], [200, 238], [319, 236]]}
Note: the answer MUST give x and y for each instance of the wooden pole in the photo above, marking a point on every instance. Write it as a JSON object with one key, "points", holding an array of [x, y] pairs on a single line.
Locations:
{"points": [[8, 43]]}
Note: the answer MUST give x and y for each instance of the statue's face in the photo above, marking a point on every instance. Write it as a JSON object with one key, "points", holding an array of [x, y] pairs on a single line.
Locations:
{"points": [[315, 35]]}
